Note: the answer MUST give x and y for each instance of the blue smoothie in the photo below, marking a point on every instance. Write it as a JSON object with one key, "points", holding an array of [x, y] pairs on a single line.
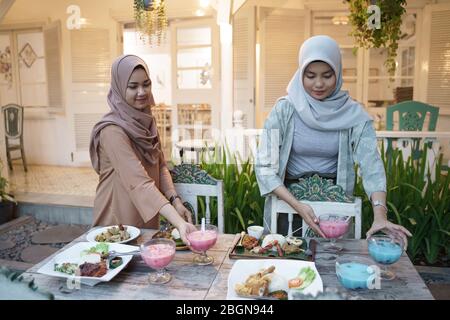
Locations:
{"points": [[385, 252], [353, 275]]}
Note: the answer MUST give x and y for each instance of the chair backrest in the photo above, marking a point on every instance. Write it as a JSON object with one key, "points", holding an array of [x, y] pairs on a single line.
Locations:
{"points": [[412, 116], [324, 197], [13, 114], [191, 182]]}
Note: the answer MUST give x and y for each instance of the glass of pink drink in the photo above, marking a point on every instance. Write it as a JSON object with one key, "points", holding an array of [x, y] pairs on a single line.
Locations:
{"points": [[333, 226], [157, 254], [201, 241]]}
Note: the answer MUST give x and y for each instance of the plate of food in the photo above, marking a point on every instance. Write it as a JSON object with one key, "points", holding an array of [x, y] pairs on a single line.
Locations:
{"points": [[113, 234], [273, 246], [89, 262], [273, 279], [172, 234]]}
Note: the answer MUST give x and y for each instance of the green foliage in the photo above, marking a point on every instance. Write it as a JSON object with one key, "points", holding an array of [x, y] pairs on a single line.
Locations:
{"points": [[389, 33], [243, 204], [416, 202]]}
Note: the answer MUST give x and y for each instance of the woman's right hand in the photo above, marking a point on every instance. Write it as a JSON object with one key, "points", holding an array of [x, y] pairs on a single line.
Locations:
{"points": [[307, 213], [184, 229]]}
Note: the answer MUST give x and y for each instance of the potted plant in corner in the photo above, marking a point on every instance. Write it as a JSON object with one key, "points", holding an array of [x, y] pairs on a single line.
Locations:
{"points": [[7, 202]]}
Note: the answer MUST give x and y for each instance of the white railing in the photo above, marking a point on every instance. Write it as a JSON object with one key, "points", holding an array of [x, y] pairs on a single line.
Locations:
{"points": [[404, 141], [244, 141], [241, 140]]}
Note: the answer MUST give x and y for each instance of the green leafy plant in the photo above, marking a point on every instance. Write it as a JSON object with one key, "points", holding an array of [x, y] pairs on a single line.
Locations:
{"points": [[243, 204], [417, 202], [387, 35], [151, 20]]}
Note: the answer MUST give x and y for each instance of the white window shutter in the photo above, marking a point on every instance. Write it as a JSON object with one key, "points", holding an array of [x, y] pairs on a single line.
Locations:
{"points": [[283, 34], [84, 123], [244, 64], [438, 93], [91, 69], [53, 61], [91, 58]]}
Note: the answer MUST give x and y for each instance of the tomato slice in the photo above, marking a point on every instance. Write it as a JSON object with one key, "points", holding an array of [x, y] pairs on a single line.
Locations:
{"points": [[295, 283]]}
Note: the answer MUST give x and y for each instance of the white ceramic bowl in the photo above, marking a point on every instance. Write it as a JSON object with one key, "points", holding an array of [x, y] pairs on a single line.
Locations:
{"points": [[255, 231]]}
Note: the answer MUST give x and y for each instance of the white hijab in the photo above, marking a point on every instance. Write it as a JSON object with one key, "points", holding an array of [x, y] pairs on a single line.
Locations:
{"points": [[336, 112]]}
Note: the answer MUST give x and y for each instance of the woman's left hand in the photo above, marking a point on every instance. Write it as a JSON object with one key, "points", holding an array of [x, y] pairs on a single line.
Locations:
{"points": [[182, 211], [388, 227]]}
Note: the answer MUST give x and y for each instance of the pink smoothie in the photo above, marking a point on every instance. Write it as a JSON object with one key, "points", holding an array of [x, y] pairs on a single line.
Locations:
{"points": [[202, 241], [159, 255], [333, 228]]}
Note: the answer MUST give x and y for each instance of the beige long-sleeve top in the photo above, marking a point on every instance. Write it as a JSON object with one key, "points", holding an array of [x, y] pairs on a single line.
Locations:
{"points": [[130, 191]]}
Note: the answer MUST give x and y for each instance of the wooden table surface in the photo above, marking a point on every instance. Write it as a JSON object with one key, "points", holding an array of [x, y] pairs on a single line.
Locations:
{"points": [[194, 282]]}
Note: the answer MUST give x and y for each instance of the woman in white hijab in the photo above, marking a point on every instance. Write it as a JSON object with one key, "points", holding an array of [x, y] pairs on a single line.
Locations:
{"points": [[318, 129]]}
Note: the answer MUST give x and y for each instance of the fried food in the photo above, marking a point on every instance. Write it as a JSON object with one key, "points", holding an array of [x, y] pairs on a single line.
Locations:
{"points": [[169, 234], [291, 248], [256, 284], [249, 242]]}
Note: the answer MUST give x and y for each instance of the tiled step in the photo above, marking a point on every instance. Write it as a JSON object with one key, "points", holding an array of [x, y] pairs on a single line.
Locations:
{"points": [[64, 209], [17, 266]]}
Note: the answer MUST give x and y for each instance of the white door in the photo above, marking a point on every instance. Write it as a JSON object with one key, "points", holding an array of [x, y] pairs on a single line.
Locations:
{"points": [[195, 79]]}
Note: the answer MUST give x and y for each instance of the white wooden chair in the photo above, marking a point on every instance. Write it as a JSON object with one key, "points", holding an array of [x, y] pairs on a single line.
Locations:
{"points": [[191, 182], [324, 197]]}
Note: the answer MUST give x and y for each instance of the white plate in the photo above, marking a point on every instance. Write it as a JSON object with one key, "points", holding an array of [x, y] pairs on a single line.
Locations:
{"points": [[289, 269], [73, 255], [133, 231]]}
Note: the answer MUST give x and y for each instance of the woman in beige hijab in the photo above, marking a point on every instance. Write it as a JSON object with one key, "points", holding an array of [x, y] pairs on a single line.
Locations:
{"points": [[134, 184]]}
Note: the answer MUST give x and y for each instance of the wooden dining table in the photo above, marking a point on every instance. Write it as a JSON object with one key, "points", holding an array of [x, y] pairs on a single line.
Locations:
{"points": [[192, 282]]}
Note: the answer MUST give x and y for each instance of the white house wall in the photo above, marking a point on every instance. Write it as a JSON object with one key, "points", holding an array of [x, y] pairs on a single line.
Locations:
{"points": [[50, 139]]}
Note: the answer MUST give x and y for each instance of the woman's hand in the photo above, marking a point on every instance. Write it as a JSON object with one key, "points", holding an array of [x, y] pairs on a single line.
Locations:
{"points": [[383, 225], [307, 213], [182, 210], [184, 229]]}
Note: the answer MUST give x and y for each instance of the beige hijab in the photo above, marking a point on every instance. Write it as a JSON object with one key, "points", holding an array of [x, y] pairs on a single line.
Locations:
{"points": [[139, 125]]}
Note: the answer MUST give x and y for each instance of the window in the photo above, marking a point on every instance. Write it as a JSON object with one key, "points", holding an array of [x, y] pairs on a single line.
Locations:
{"points": [[23, 73], [194, 58], [30, 72]]}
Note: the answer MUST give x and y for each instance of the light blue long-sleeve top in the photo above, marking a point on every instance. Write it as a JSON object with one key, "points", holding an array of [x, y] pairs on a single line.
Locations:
{"points": [[357, 145]]}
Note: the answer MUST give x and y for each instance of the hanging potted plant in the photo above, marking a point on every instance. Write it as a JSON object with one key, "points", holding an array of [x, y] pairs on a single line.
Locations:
{"points": [[7, 202], [388, 33], [151, 20]]}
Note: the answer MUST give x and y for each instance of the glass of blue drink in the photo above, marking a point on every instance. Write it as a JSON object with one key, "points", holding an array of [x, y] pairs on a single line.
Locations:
{"points": [[355, 272], [385, 250]]}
